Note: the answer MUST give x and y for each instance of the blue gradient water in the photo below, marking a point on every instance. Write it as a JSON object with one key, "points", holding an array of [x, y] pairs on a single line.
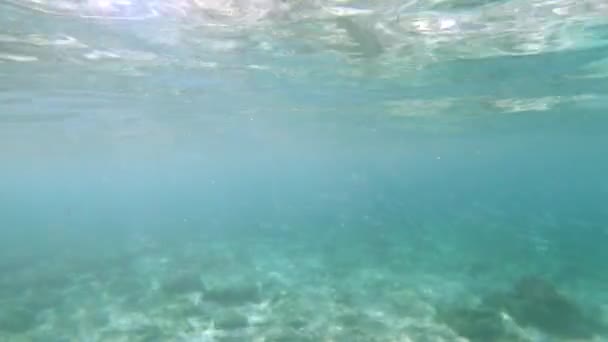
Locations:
{"points": [[303, 171]]}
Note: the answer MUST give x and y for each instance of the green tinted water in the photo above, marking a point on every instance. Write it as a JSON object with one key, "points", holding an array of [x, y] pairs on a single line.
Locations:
{"points": [[303, 171]]}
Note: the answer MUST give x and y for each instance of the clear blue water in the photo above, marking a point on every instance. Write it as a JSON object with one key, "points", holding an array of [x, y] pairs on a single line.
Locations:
{"points": [[303, 170]]}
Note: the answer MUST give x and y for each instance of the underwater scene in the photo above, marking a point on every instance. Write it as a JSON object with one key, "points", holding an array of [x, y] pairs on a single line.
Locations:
{"points": [[304, 170]]}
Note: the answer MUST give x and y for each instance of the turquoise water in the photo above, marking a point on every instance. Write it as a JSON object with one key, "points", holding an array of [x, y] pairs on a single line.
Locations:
{"points": [[303, 170]]}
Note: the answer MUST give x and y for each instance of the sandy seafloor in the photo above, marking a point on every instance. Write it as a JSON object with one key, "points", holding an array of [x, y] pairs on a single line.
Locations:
{"points": [[471, 279]]}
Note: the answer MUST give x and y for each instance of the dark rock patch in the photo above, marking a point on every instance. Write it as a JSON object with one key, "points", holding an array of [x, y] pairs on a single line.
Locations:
{"points": [[233, 294], [17, 320], [477, 324], [536, 302], [183, 283], [231, 320], [531, 302]]}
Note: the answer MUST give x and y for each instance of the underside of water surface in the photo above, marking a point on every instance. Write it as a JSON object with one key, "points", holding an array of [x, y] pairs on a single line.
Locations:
{"points": [[261, 170]]}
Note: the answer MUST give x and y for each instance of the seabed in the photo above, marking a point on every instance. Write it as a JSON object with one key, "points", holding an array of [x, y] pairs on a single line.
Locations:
{"points": [[271, 282]]}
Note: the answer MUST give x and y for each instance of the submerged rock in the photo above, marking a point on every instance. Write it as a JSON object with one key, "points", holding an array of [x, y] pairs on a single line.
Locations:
{"points": [[477, 324], [474, 324], [229, 338], [535, 302], [231, 320], [233, 294], [43, 300], [289, 335], [190, 310], [150, 333], [183, 283], [532, 302], [16, 320]]}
